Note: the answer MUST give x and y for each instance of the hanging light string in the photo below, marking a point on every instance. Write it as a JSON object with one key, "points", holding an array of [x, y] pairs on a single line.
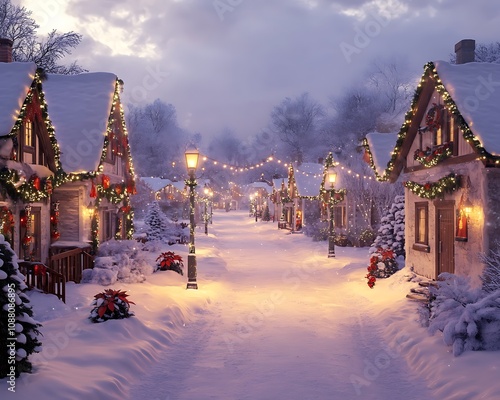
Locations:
{"points": [[241, 168], [337, 164]]}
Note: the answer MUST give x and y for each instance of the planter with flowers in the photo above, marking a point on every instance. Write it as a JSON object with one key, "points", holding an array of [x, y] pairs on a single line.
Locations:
{"points": [[169, 261], [110, 304], [382, 265]]}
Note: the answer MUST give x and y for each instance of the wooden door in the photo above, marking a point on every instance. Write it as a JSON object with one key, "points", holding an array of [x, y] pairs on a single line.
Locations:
{"points": [[445, 250]]}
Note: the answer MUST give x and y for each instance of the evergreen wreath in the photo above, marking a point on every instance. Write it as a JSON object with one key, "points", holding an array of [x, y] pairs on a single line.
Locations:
{"points": [[434, 117]]}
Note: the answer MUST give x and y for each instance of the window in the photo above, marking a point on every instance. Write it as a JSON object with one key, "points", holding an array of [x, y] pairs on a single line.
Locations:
{"points": [[447, 132], [340, 217], [421, 227], [28, 144]]}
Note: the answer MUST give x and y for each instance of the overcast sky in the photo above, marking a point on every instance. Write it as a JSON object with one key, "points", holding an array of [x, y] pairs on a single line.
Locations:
{"points": [[227, 63]]}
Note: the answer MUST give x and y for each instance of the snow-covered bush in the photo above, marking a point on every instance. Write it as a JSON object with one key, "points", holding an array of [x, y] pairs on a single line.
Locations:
{"points": [[391, 233], [318, 230], [110, 304], [16, 317], [156, 222], [119, 260], [314, 227], [169, 261], [469, 318], [382, 265]]}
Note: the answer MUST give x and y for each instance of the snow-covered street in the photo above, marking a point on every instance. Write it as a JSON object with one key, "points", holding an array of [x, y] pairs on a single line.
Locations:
{"points": [[284, 325], [273, 318]]}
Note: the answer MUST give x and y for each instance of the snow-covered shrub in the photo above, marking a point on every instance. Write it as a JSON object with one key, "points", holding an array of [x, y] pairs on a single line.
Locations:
{"points": [[491, 273], [119, 260], [391, 233], [382, 265], [16, 317], [156, 222], [469, 318], [169, 261], [110, 304], [318, 230]]}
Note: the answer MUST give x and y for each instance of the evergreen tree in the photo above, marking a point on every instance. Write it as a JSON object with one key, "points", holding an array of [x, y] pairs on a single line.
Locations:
{"points": [[18, 330], [266, 216], [391, 234], [155, 221]]}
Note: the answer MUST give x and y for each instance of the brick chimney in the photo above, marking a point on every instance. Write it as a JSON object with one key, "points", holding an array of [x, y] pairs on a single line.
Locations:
{"points": [[5, 50], [465, 51]]}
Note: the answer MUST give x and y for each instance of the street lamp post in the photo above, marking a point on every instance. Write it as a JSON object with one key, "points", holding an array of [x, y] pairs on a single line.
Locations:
{"points": [[331, 177], [211, 206], [206, 190], [192, 154]]}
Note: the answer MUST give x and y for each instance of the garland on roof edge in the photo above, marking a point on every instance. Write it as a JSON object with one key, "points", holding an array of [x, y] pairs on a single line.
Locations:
{"points": [[431, 71]]}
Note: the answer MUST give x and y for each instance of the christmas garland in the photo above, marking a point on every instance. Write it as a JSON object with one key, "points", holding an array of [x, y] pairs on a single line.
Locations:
{"points": [[431, 190], [6, 223], [430, 71], [431, 157]]}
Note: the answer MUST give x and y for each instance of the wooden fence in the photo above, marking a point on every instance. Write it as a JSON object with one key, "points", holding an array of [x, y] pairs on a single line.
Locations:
{"points": [[44, 278], [71, 264]]}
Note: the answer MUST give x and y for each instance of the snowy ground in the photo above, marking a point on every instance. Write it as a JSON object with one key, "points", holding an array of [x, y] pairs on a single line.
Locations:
{"points": [[273, 318]]}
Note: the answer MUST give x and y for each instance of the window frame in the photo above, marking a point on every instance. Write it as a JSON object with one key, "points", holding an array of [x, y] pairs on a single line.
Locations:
{"points": [[421, 245]]}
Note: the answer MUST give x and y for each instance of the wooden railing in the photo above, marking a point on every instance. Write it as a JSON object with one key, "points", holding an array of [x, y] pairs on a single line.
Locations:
{"points": [[71, 263], [40, 276]]}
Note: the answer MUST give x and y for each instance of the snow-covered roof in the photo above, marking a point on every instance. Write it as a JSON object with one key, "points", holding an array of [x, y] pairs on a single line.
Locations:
{"points": [[474, 88], [381, 148], [155, 183], [262, 185], [308, 177], [15, 81], [178, 185], [79, 107]]}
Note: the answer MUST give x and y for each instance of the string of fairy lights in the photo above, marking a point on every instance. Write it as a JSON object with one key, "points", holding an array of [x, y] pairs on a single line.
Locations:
{"points": [[35, 189], [298, 170], [430, 72]]}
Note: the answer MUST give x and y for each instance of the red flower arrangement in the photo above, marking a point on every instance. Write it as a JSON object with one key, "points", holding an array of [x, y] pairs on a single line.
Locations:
{"points": [[170, 261], [382, 265], [110, 304]]}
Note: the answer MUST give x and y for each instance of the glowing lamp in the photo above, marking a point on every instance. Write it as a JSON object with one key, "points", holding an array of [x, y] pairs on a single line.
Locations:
{"points": [[331, 176], [192, 155]]}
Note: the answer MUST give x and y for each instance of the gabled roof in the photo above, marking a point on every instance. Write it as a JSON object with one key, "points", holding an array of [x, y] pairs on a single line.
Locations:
{"points": [[381, 148], [262, 185], [156, 184], [308, 178], [80, 107], [469, 91], [15, 82]]}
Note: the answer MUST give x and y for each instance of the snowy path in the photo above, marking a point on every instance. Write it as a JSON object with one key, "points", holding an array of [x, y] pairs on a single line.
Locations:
{"points": [[278, 328]]}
